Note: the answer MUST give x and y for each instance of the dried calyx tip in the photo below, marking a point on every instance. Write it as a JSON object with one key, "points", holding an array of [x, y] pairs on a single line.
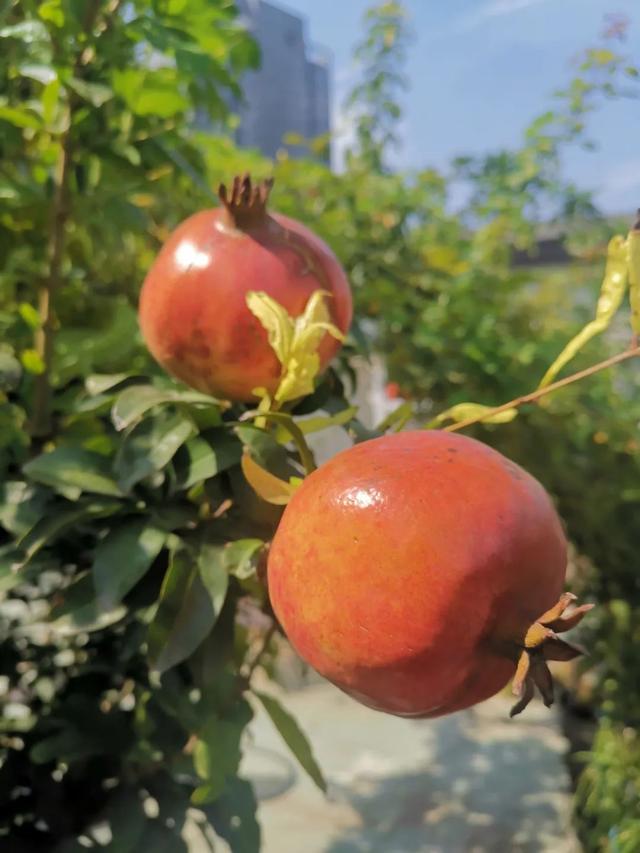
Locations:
{"points": [[542, 644], [246, 202]]}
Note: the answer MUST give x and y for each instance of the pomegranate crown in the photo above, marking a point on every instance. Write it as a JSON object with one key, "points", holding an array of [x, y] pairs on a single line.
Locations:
{"points": [[246, 203]]}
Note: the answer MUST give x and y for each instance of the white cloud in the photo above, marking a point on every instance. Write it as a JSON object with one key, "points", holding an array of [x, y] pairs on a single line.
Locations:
{"points": [[506, 7], [496, 9]]}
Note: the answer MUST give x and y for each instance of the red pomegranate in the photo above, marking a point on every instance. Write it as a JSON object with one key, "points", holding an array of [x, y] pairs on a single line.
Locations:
{"points": [[393, 390], [416, 571], [193, 312]]}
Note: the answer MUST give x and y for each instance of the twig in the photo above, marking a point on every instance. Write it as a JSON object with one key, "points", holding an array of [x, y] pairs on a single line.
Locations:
{"points": [[266, 639], [541, 392], [44, 336]]}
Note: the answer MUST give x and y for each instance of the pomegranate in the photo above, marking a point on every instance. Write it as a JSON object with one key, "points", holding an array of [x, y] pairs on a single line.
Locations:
{"points": [[392, 390], [193, 311], [419, 571]]}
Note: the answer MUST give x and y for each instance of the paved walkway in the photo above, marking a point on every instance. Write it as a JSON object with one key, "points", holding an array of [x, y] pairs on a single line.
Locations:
{"points": [[475, 782]]}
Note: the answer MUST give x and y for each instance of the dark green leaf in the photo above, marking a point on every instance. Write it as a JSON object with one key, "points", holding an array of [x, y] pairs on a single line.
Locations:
{"points": [[205, 456], [185, 614], [72, 471], [21, 505], [10, 370], [151, 446], [48, 528], [122, 558], [78, 610], [293, 736], [233, 816]]}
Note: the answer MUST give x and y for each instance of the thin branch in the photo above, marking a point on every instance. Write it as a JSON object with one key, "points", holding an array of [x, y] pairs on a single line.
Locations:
{"points": [[264, 645], [60, 210], [541, 392]]}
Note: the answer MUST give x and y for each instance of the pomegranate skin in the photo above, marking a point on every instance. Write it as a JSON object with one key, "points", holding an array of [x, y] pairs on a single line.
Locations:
{"points": [[193, 312], [408, 568]]}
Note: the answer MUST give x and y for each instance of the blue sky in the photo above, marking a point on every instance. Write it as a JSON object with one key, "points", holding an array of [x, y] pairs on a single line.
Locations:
{"points": [[479, 70]]}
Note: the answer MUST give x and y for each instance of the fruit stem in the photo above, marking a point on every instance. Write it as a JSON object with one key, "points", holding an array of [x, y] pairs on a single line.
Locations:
{"points": [[246, 204]]}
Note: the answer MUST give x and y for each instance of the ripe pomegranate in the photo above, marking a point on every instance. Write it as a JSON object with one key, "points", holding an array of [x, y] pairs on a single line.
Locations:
{"points": [[392, 390], [418, 570], [193, 312]]}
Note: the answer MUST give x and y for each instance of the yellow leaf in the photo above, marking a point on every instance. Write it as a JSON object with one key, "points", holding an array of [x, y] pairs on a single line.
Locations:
{"points": [[611, 295], [634, 277], [265, 484], [465, 411], [275, 320], [295, 341]]}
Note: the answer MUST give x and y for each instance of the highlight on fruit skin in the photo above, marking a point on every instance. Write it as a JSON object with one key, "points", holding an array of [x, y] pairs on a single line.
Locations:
{"points": [[420, 572], [193, 309]]}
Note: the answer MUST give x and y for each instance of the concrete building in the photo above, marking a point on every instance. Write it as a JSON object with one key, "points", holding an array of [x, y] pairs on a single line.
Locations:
{"points": [[289, 93]]}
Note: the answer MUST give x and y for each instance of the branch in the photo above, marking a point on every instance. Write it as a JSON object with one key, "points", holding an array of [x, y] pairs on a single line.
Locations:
{"points": [[60, 209], [541, 392]]}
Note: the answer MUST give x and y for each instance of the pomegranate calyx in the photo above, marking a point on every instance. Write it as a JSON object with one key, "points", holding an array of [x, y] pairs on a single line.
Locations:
{"points": [[246, 202], [542, 644]]}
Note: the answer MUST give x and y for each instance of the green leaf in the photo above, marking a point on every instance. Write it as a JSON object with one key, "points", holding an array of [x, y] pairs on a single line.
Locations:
{"points": [[123, 558], [51, 10], [293, 736], [216, 755], [136, 401], [72, 471], [185, 614], [464, 411], [10, 370], [27, 31], [32, 362], [20, 117], [51, 525], [239, 557], [321, 422], [21, 505], [95, 93], [398, 418], [30, 315], [49, 100], [44, 74], [233, 816], [98, 383], [126, 818], [214, 576], [150, 92], [77, 610], [205, 456], [150, 447]]}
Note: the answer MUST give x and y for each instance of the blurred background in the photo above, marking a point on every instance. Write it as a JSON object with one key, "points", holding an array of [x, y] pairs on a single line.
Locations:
{"points": [[468, 162]]}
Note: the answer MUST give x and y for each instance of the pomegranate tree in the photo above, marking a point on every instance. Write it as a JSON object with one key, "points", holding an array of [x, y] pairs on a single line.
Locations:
{"points": [[420, 571], [194, 314]]}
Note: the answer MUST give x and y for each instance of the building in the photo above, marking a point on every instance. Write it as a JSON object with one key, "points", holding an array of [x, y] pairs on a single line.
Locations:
{"points": [[289, 93]]}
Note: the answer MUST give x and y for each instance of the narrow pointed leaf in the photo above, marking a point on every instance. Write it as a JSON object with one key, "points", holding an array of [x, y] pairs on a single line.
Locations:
{"points": [[294, 737]]}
